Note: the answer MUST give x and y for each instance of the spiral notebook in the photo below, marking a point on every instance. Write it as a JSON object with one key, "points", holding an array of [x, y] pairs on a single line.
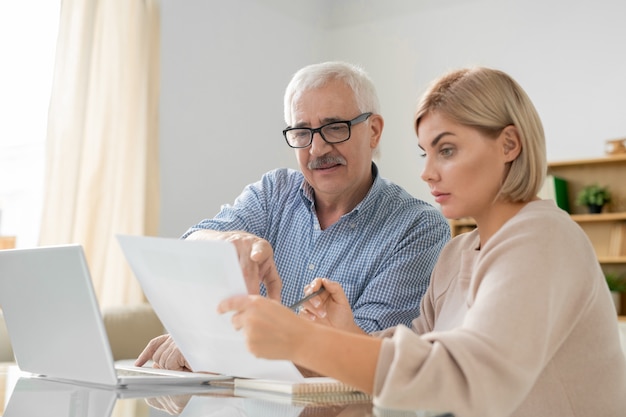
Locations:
{"points": [[306, 387]]}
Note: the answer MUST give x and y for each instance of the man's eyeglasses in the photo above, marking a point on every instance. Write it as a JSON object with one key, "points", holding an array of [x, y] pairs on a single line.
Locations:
{"points": [[335, 132]]}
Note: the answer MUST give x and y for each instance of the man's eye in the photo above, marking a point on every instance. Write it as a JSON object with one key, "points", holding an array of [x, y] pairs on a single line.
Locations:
{"points": [[336, 128]]}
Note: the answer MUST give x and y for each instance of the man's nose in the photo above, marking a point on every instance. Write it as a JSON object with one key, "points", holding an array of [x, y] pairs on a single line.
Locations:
{"points": [[318, 145]]}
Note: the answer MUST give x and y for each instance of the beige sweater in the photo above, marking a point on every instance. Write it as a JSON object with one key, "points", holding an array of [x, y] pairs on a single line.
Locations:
{"points": [[525, 326]]}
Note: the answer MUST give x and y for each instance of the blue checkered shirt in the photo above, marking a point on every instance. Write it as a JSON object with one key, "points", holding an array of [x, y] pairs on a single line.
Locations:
{"points": [[382, 252]]}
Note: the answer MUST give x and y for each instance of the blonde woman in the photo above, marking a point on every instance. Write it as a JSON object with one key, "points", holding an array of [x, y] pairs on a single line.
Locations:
{"points": [[517, 320]]}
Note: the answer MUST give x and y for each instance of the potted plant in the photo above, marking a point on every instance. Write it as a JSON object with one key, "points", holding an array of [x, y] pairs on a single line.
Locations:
{"points": [[617, 285], [594, 197]]}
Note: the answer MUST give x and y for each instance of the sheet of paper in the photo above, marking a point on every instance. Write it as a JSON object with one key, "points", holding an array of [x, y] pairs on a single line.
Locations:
{"points": [[184, 281]]}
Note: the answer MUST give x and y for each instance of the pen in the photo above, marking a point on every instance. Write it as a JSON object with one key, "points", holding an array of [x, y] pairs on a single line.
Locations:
{"points": [[307, 298]]}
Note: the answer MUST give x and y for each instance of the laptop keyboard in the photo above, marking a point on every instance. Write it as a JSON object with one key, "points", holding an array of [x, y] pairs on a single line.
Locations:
{"points": [[133, 372]]}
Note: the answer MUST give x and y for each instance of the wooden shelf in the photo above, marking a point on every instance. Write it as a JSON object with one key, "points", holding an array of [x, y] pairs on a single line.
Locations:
{"points": [[612, 259], [607, 171], [603, 160], [463, 222], [601, 228], [600, 217]]}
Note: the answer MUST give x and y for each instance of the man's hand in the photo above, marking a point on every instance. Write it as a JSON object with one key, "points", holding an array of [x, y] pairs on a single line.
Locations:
{"points": [[256, 258], [164, 353], [171, 404]]}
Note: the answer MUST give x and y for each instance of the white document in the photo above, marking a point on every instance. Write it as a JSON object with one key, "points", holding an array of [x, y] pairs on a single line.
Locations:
{"points": [[184, 282]]}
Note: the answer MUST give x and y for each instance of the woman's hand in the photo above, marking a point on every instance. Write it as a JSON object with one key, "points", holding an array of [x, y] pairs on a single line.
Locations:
{"points": [[272, 330], [331, 307]]}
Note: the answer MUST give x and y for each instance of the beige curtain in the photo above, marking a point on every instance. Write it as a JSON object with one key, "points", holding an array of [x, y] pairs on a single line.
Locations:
{"points": [[102, 145]]}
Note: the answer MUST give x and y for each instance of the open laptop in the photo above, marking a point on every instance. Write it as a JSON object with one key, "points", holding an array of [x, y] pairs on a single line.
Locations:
{"points": [[55, 323]]}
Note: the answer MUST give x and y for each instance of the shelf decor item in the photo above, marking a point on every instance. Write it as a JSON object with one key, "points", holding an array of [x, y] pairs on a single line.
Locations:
{"points": [[615, 146], [555, 188], [594, 197], [617, 285]]}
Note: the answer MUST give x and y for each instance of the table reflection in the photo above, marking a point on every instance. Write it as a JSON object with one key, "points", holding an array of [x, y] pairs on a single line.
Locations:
{"points": [[201, 405], [47, 398]]}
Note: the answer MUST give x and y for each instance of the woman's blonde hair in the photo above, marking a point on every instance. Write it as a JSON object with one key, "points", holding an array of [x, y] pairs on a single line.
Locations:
{"points": [[490, 100]]}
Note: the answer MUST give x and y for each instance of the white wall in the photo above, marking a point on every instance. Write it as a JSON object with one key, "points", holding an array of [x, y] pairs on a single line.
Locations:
{"points": [[224, 69], [226, 64]]}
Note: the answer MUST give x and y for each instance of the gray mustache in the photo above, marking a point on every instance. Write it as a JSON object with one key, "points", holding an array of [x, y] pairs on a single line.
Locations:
{"points": [[326, 161]]}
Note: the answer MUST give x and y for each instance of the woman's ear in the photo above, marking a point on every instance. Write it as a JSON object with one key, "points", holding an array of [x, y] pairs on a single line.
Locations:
{"points": [[511, 143]]}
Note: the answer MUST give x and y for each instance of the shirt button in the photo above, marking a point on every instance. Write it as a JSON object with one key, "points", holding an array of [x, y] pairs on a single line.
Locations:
{"points": [[352, 225], [311, 267]]}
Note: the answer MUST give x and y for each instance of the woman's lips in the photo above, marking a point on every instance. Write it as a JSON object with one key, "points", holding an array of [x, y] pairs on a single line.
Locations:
{"points": [[440, 197]]}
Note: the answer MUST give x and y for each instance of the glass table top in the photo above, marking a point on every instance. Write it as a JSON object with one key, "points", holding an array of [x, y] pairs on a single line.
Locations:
{"points": [[24, 396]]}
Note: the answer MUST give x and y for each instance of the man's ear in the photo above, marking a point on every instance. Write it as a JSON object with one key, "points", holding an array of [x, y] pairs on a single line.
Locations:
{"points": [[376, 129], [511, 143]]}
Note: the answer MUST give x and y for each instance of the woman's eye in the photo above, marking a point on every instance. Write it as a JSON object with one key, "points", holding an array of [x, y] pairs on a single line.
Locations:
{"points": [[446, 151]]}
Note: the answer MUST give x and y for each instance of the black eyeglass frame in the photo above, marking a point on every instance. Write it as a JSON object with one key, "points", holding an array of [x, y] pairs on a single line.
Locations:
{"points": [[359, 119]]}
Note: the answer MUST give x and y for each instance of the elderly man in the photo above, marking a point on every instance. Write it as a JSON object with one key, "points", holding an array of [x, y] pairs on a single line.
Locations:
{"points": [[335, 218]]}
